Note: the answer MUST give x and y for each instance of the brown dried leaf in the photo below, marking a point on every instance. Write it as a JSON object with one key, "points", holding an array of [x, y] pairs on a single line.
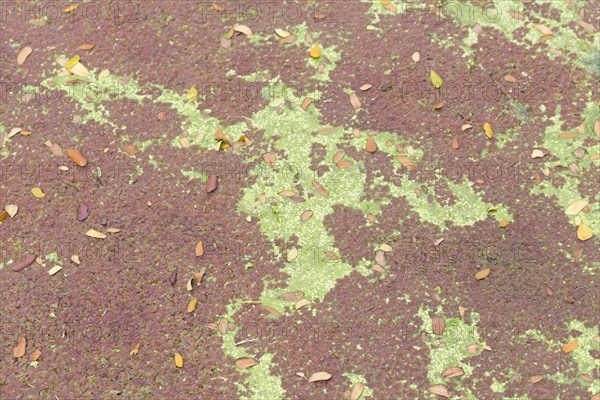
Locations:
{"points": [[320, 189], [416, 56], [301, 303], [371, 145], [306, 215], [244, 363], [23, 54], [366, 86], [472, 349], [452, 372], [510, 78], [178, 360], [484, 273], [77, 157], [287, 193], [292, 296], [211, 183], [536, 378], [355, 101], [454, 143], [223, 325], [86, 46], [440, 390], [307, 101], [319, 376], [36, 355], [438, 325], [344, 164], [19, 351], [357, 390]]}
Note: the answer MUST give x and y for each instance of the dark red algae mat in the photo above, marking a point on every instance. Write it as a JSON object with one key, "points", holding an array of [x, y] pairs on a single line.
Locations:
{"points": [[299, 200]]}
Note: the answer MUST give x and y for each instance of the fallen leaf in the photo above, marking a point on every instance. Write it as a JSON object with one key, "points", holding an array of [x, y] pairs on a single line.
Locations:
{"points": [[487, 128], [536, 378], [77, 157], [292, 296], [406, 162], [438, 325], [199, 275], [243, 29], [37, 192], [14, 131], [440, 390], [135, 350], [452, 372], [199, 249], [306, 103], [416, 56], [537, 153], [472, 349], [282, 33], [95, 234], [287, 193], [23, 54], [587, 26], [178, 360], [319, 376], [192, 305], [75, 259], [572, 345], [54, 270], [36, 355], [19, 351], [575, 207], [543, 29], [357, 390], [319, 188], [211, 183], [223, 325], [315, 52], [229, 34], [465, 127], [484, 273], [503, 223], [510, 78], [244, 363], [371, 145], [301, 303], [584, 232], [306, 215], [86, 46], [454, 143], [11, 209], [24, 263], [71, 8], [355, 101], [72, 61], [385, 247], [436, 79], [366, 86], [292, 254], [344, 164], [192, 94]]}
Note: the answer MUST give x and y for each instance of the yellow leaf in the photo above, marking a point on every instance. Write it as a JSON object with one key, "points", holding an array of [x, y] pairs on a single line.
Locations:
{"points": [[71, 8], [436, 80], [572, 345], [192, 94], [178, 360], [71, 63], [95, 234], [484, 273], [489, 132], [37, 192], [584, 232], [192, 305], [315, 52], [135, 350]]}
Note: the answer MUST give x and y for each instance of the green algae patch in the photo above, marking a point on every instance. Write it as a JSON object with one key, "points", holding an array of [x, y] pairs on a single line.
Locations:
{"points": [[457, 336]]}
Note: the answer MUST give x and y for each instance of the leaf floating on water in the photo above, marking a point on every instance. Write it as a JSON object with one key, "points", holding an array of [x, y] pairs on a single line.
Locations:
{"points": [[416, 56], [306, 215], [436, 79], [307, 101], [199, 249], [438, 325], [355, 101], [366, 86], [23, 54], [71, 63], [371, 145], [320, 189], [587, 26], [357, 390], [315, 52], [37, 192], [86, 46], [71, 8], [292, 254], [243, 29], [484, 273], [11, 209], [36, 355], [192, 94], [135, 350], [77, 157], [572, 345], [19, 351], [584, 232], [14, 131], [95, 234], [244, 363], [178, 360], [211, 183], [465, 127], [576, 207], [440, 390], [301, 303], [487, 128], [292, 296], [543, 29], [282, 33], [54, 270], [319, 376], [535, 379], [229, 34], [452, 372], [192, 305]]}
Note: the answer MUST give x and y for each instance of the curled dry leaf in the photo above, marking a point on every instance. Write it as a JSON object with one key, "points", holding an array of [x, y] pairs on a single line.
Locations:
{"points": [[489, 132], [244, 363], [54, 270], [572, 345], [199, 275], [243, 29], [440, 390], [199, 249], [178, 360], [14, 131], [23, 54], [319, 376], [95, 234], [371, 145], [536, 378], [503, 223], [192, 305], [537, 153], [282, 33], [77, 157], [301, 303], [36, 355], [24, 263], [357, 390], [484, 273], [71, 8], [19, 351], [355, 101], [452, 372]]}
